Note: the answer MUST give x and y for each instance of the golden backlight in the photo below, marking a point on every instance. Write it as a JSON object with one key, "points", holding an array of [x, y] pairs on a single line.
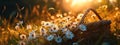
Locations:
{"points": [[76, 5]]}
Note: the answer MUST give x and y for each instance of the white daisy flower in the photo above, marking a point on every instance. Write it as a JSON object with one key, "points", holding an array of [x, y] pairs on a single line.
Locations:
{"points": [[63, 24], [48, 24], [50, 30], [58, 39], [32, 35], [59, 15], [50, 37], [80, 16], [77, 20], [69, 35], [29, 27], [23, 36], [54, 28], [75, 23], [64, 30], [68, 18], [43, 31], [42, 22], [82, 27], [72, 26]]}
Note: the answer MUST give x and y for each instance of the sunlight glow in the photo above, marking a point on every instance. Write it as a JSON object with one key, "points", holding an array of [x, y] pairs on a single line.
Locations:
{"points": [[78, 2], [74, 5], [99, 1]]}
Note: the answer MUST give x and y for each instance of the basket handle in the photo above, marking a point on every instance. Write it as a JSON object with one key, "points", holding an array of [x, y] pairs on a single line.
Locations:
{"points": [[87, 11]]}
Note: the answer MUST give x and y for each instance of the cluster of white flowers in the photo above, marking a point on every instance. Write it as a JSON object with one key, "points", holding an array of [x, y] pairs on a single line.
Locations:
{"points": [[64, 24], [57, 30], [51, 29]]}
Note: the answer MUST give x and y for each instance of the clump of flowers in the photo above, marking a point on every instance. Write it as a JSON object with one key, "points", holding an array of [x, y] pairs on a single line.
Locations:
{"points": [[57, 30]]}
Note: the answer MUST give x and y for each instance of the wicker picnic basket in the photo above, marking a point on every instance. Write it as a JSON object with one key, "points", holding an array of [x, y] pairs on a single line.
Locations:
{"points": [[96, 32]]}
